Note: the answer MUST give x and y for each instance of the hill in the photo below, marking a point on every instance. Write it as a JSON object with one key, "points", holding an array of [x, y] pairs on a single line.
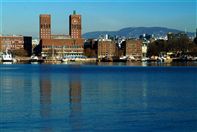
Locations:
{"points": [[133, 32]]}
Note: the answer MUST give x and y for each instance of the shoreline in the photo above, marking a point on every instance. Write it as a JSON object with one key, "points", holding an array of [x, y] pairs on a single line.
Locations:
{"points": [[133, 63]]}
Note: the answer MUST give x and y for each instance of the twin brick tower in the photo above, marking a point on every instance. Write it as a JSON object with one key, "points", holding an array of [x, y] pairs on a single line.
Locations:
{"points": [[71, 44], [74, 26]]}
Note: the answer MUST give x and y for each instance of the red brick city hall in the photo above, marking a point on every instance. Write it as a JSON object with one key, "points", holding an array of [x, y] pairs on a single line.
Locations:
{"points": [[61, 45]]}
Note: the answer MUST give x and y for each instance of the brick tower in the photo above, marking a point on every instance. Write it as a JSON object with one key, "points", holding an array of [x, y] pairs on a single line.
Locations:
{"points": [[75, 25], [45, 26]]}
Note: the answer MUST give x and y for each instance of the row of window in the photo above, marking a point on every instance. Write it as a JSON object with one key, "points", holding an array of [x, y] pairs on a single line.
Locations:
{"points": [[74, 46], [68, 51], [75, 32], [76, 26], [106, 54], [45, 26], [13, 42], [45, 35], [45, 30], [14, 46]]}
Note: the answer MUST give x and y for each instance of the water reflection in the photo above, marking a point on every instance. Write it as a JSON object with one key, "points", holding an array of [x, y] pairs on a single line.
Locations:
{"points": [[45, 102], [7, 63], [63, 98], [144, 92], [75, 101], [34, 63], [146, 64]]}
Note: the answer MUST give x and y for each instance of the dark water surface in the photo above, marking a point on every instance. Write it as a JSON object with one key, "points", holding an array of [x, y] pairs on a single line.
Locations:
{"points": [[88, 98]]}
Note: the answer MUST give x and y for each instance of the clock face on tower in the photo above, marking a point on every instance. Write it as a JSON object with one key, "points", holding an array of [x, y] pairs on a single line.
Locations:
{"points": [[75, 26], [75, 21]]}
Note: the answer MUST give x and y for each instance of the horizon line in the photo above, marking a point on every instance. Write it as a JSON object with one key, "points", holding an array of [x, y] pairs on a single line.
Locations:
{"points": [[1, 34]]}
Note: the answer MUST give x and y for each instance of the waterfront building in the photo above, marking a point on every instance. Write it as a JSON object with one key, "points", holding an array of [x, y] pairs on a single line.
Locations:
{"points": [[61, 45], [132, 48], [106, 48], [14, 43]]}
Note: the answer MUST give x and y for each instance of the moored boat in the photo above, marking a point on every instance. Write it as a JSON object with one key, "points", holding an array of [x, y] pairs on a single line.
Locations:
{"points": [[7, 57], [73, 58], [34, 58]]}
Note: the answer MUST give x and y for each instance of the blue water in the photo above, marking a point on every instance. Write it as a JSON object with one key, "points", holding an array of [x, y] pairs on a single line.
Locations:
{"points": [[52, 98]]}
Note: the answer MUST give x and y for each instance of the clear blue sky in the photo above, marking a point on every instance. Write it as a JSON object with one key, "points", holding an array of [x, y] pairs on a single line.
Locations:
{"points": [[22, 16]]}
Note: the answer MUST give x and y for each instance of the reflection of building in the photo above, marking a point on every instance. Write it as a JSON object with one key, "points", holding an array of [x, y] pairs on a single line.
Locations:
{"points": [[75, 101], [45, 97], [61, 45], [45, 100], [75, 25], [16, 43], [132, 48], [75, 90]]}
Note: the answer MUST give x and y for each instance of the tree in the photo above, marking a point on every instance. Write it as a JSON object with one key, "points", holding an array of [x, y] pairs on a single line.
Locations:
{"points": [[152, 50], [180, 44]]}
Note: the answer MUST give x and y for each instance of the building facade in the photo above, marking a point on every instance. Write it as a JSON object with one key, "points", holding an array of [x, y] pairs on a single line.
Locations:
{"points": [[106, 49], [45, 26], [11, 42], [132, 48], [16, 43], [61, 45], [75, 25]]}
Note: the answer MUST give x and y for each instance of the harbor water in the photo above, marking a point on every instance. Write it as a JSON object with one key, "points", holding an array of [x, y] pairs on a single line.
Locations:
{"points": [[53, 98]]}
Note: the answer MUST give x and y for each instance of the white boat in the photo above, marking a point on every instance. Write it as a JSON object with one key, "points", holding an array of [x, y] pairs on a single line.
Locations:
{"points": [[7, 57], [34, 58], [144, 59], [74, 58], [194, 58], [123, 58], [64, 60]]}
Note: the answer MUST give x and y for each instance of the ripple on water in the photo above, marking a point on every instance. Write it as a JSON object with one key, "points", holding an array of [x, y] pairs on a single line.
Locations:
{"points": [[97, 98]]}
